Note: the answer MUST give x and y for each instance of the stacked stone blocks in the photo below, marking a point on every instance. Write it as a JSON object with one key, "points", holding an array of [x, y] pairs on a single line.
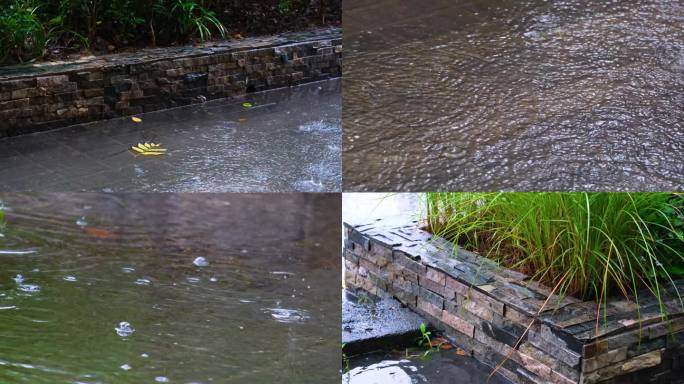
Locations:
{"points": [[487, 310], [123, 86]]}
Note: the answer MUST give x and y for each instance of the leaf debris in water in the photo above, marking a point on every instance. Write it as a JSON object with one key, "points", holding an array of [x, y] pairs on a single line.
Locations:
{"points": [[247, 105], [136, 119], [148, 149]]}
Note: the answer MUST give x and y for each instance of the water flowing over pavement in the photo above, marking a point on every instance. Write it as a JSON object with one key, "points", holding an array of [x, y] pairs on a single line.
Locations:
{"points": [[119, 294], [289, 140], [528, 95]]}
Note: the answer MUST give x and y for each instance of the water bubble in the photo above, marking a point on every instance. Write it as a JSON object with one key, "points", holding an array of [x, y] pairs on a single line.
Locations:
{"points": [[127, 269], [213, 279], [30, 288], [161, 379], [126, 367], [193, 280], [201, 262], [19, 279], [145, 355], [69, 278], [142, 281], [124, 329], [82, 222], [283, 315]]}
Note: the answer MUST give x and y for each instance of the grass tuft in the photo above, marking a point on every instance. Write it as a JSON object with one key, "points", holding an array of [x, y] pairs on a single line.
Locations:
{"points": [[592, 244]]}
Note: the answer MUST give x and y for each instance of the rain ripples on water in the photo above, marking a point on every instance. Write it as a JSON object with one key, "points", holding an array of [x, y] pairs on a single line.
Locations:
{"points": [[174, 288], [526, 95]]}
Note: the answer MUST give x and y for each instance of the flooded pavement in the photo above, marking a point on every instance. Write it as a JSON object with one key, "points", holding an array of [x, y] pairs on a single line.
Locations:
{"points": [[525, 95], [288, 140], [444, 367], [177, 288]]}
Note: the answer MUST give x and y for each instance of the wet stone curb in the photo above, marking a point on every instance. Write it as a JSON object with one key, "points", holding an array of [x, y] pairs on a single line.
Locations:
{"points": [[50, 95], [485, 309]]}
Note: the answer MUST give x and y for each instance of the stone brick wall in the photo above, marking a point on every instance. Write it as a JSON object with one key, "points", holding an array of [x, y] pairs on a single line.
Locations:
{"points": [[486, 309], [50, 95]]}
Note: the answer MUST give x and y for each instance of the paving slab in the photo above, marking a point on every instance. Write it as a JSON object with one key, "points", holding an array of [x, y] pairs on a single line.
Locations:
{"points": [[370, 324]]}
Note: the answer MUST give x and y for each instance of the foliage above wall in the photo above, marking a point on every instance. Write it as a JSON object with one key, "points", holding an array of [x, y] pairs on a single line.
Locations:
{"points": [[32, 29]]}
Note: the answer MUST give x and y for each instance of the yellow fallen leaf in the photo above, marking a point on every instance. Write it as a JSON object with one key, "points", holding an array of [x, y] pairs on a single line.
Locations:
{"points": [[247, 105], [243, 119], [136, 119], [149, 149]]}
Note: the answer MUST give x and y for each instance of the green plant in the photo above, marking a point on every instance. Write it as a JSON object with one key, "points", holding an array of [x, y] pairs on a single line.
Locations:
{"points": [[363, 299], [284, 6], [345, 360], [425, 340], [22, 35], [589, 244], [190, 18]]}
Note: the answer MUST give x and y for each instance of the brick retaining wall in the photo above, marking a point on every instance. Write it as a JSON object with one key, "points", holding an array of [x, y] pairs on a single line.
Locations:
{"points": [[485, 309], [50, 95]]}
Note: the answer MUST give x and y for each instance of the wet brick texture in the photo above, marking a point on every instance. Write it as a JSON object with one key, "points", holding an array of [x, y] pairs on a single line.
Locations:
{"points": [[485, 309], [50, 95]]}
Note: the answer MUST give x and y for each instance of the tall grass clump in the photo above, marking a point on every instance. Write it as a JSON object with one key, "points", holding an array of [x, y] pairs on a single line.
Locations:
{"points": [[589, 245]]}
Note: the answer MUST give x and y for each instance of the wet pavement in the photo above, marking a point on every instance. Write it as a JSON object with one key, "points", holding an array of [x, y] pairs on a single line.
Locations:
{"points": [[527, 95], [364, 207], [178, 288], [288, 140], [370, 324]]}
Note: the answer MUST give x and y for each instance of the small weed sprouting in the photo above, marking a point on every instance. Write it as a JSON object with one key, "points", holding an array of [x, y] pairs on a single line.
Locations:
{"points": [[345, 360], [425, 340], [363, 299]]}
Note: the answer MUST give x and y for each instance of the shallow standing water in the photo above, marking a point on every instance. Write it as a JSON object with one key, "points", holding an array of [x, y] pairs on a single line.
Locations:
{"points": [[525, 95], [440, 368], [262, 309], [288, 140]]}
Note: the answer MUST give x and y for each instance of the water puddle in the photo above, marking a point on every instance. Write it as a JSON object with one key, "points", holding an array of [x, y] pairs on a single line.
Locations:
{"points": [[177, 288], [438, 368], [526, 95]]}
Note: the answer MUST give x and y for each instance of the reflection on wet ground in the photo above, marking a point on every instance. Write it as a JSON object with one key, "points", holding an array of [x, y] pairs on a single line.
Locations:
{"points": [[289, 140], [439, 368], [179, 288], [525, 95]]}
